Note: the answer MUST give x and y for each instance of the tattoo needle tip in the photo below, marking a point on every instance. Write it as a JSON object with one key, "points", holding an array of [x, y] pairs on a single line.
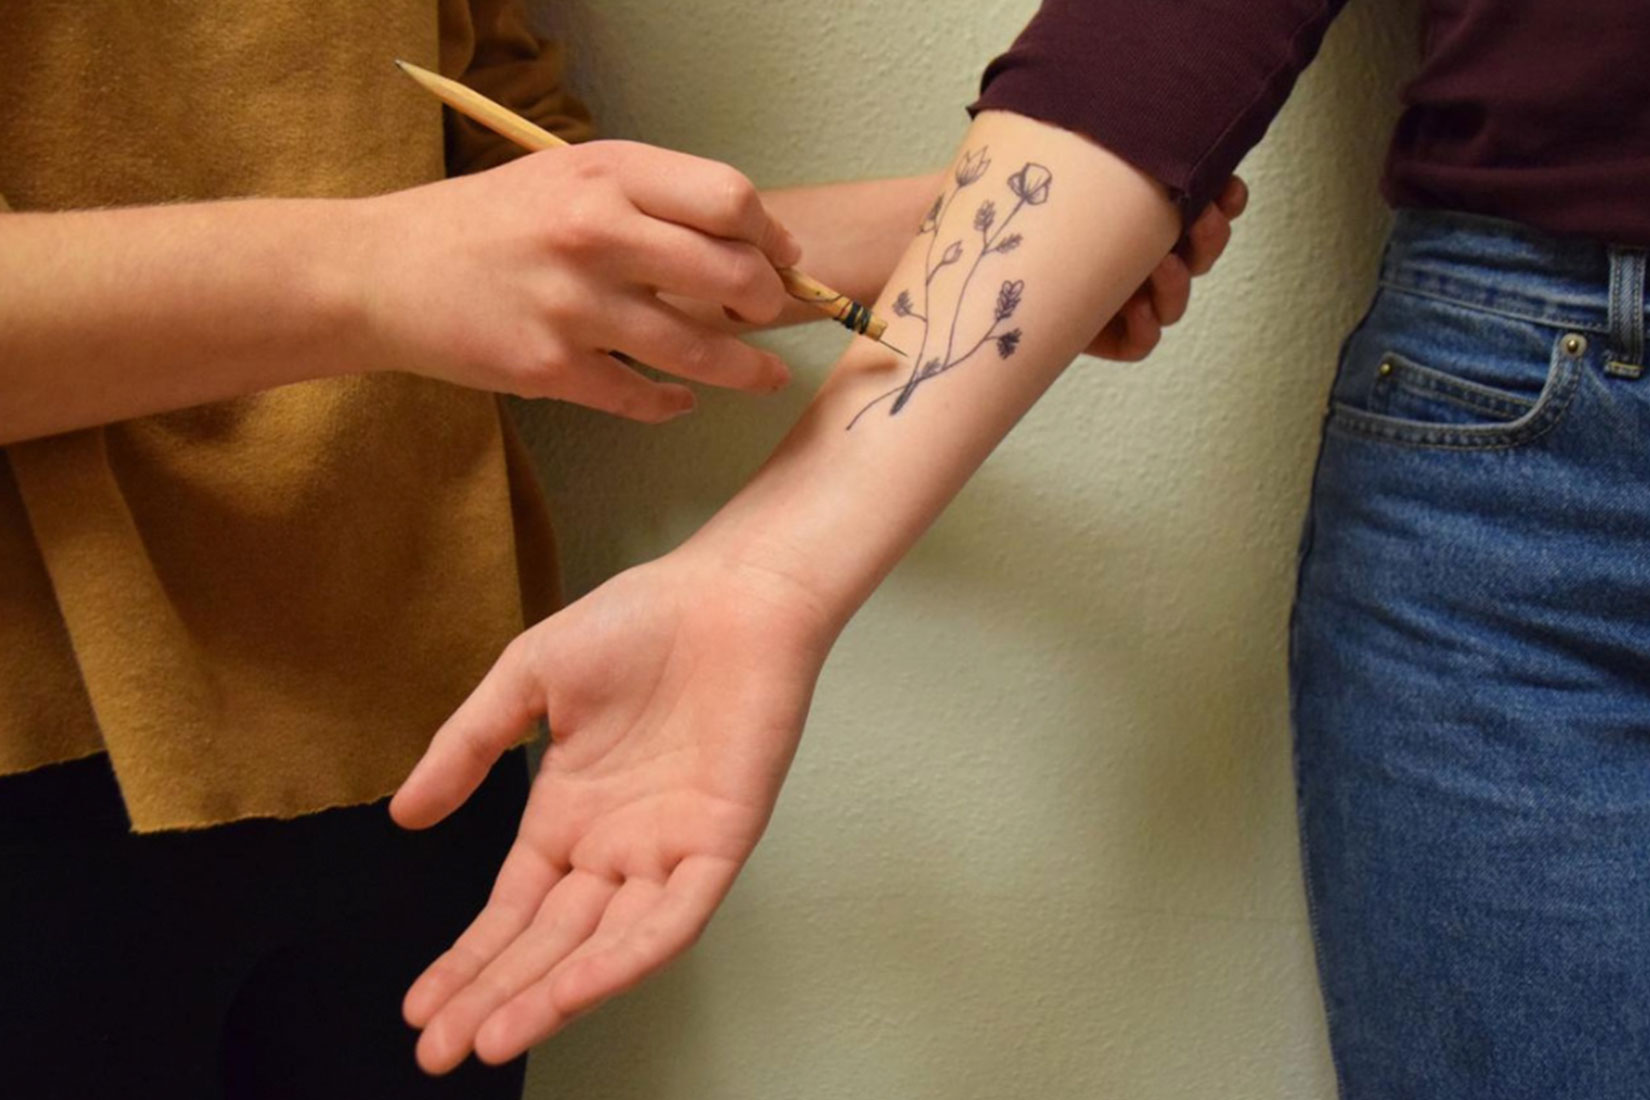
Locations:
{"points": [[893, 349]]}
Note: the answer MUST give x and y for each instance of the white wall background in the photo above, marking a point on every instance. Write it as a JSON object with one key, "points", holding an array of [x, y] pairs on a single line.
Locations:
{"points": [[1039, 841]]}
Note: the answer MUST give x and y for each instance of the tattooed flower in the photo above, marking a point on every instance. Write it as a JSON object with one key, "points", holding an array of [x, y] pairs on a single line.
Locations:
{"points": [[973, 166], [1008, 298], [902, 304], [931, 219], [1008, 243], [1031, 184], [985, 215], [952, 253], [1008, 343]]}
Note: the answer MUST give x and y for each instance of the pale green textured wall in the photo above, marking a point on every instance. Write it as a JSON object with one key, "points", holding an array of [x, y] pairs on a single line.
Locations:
{"points": [[1039, 841]]}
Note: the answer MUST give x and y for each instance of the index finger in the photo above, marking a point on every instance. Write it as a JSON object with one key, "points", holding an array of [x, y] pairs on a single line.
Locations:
{"points": [[708, 196]]}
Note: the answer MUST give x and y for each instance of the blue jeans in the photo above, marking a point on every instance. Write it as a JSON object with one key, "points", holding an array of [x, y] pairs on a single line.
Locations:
{"points": [[1470, 660]]}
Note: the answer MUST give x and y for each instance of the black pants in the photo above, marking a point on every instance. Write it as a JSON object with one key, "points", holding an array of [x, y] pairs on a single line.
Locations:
{"points": [[258, 959]]}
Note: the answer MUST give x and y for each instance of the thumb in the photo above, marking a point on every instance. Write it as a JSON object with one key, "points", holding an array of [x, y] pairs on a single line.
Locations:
{"points": [[494, 718], [779, 244]]}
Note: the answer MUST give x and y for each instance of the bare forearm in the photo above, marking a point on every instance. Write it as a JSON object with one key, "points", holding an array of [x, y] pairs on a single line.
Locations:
{"points": [[111, 314], [1020, 268], [852, 234], [106, 315]]}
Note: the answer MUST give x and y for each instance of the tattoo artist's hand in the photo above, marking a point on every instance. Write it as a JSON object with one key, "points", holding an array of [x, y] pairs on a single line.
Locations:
{"points": [[521, 279], [1161, 301], [676, 694]]}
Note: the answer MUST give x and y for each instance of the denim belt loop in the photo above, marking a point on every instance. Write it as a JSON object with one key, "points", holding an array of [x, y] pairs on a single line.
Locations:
{"points": [[1627, 309]]}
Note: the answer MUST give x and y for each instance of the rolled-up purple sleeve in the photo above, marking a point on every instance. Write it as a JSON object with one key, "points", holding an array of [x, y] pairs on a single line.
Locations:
{"points": [[1181, 89]]}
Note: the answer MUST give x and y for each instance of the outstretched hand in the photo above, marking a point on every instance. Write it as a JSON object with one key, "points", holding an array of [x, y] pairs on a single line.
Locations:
{"points": [[1161, 301], [676, 694]]}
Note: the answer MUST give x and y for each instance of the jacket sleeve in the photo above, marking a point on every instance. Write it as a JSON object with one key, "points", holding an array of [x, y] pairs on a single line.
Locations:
{"points": [[1181, 89], [490, 45]]}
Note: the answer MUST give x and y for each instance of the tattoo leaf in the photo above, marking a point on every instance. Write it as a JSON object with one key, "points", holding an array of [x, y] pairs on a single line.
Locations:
{"points": [[1008, 298], [985, 215], [1008, 343], [1007, 244], [953, 253], [1030, 184], [930, 368], [973, 166]]}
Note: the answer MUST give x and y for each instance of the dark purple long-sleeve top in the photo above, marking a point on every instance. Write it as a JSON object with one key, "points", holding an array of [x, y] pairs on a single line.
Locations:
{"points": [[1535, 110]]}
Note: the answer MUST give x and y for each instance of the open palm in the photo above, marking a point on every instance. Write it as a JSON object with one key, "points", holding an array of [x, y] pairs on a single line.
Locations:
{"points": [[676, 695]]}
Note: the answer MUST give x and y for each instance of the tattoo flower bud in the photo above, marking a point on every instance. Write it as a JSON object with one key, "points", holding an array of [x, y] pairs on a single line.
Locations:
{"points": [[973, 166], [902, 304], [1008, 343], [1031, 184], [931, 219], [953, 253], [985, 215]]}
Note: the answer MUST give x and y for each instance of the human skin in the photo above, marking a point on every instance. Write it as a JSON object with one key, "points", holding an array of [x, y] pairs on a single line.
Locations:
{"points": [[157, 308], [854, 233], [676, 692], [518, 280]]}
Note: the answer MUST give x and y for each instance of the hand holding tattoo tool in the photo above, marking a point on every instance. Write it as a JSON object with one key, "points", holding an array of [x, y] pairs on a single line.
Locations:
{"points": [[501, 120]]}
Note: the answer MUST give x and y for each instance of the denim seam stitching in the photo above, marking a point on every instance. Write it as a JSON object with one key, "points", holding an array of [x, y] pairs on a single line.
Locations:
{"points": [[1617, 298], [1544, 417], [1458, 391], [1550, 322], [1488, 406], [1627, 307], [1636, 306]]}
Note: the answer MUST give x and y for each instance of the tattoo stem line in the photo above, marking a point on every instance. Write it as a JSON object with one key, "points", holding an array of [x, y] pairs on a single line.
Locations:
{"points": [[986, 245], [942, 209]]}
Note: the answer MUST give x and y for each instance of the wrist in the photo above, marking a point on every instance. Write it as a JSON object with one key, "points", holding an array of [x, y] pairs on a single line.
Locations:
{"points": [[823, 512], [828, 559], [344, 272], [773, 576]]}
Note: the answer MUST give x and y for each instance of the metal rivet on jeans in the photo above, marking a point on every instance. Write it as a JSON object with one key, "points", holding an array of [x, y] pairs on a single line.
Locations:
{"points": [[1574, 344], [1385, 368]]}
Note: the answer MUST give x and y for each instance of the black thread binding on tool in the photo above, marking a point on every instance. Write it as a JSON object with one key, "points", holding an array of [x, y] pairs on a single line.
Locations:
{"points": [[855, 318]]}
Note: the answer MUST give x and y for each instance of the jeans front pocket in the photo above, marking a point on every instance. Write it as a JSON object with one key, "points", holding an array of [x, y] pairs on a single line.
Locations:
{"points": [[1441, 375], [1406, 390]]}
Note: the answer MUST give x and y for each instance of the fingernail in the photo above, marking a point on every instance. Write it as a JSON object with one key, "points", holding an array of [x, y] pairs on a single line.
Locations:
{"points": [[779, 375], [686, 404]]}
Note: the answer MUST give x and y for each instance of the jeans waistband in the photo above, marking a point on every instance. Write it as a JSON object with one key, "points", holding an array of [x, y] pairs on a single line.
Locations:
{"points": [[1512, 269]]}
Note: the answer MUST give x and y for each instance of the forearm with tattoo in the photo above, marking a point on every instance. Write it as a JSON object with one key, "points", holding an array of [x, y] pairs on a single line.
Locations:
{"points": [[946, 308]]}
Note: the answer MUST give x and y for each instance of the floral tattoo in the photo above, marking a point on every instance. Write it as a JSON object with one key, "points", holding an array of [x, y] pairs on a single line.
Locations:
{"points": [[939, 350]]}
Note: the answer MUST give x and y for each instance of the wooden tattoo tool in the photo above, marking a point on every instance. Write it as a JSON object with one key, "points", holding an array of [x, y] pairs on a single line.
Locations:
{"points": [[501, 120]]}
